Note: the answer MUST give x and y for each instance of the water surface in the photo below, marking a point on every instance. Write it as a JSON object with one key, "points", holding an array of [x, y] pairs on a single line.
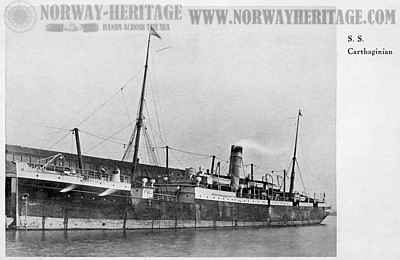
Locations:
{"points": [[318, 240]]}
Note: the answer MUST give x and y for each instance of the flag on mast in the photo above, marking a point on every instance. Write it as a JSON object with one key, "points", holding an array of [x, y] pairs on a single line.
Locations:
{"points": [[154, 33]]}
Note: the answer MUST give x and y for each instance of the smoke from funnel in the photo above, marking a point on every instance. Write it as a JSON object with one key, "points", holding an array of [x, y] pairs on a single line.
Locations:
{"points": [[252, 145]]}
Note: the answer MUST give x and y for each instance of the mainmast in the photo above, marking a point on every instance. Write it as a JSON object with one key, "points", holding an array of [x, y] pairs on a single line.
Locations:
{"points": [[294, 157], [139, 121]]}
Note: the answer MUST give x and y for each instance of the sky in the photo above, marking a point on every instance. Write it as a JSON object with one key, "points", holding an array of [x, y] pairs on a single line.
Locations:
{"points": [[213, 86]]}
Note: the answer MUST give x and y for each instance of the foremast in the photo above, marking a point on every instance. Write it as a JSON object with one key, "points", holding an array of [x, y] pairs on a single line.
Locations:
{"points": [[139, 121]]}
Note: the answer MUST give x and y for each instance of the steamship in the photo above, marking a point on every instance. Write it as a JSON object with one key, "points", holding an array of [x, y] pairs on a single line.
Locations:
{"points": [[48, 190]]}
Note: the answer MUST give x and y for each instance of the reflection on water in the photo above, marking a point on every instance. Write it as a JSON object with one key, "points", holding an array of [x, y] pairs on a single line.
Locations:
{"points": [[319, 240]]}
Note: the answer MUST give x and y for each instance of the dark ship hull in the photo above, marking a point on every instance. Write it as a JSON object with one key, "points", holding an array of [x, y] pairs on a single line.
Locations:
{"points": [[46, 208], [53, 198]]}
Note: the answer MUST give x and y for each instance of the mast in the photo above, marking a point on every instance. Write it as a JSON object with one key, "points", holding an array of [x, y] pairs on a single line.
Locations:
{"points": [[251, 172], [284, 183], [139, 121], [166, 161], [78, 147], [294, 157]]}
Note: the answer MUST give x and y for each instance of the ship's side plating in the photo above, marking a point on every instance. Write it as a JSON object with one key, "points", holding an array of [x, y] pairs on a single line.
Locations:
{"points": [[53, 197], [47, 208]]}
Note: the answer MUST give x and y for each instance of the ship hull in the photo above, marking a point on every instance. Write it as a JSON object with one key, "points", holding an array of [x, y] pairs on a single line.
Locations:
{"points": [[48, 209]]}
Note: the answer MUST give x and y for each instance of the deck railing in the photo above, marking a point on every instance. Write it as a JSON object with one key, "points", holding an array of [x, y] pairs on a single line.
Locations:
{"points": [[88, 175]]}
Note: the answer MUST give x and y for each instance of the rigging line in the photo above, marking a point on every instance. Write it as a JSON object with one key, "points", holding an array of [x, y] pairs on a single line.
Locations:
{"points": [[51, 127], [128, 150], [153, 147], [155, 98], [149, 158], [112, 135], [162, 137], [38, 124], [152, 156], [148, 121], [288, 167], [55, 132], [111, 140], [72, 144], [108, 100], [149, 147], [267, 169], [147, 110], [301, 177], [59, 140], [154, 152], [188, 152], [52, 133], [125, 105], [177, 160], [270, 171], [94, 111], [193, 153], [155, 156]]}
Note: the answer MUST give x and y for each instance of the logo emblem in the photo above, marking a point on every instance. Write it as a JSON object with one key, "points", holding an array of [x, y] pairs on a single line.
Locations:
{"points": [[20, 16]]}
